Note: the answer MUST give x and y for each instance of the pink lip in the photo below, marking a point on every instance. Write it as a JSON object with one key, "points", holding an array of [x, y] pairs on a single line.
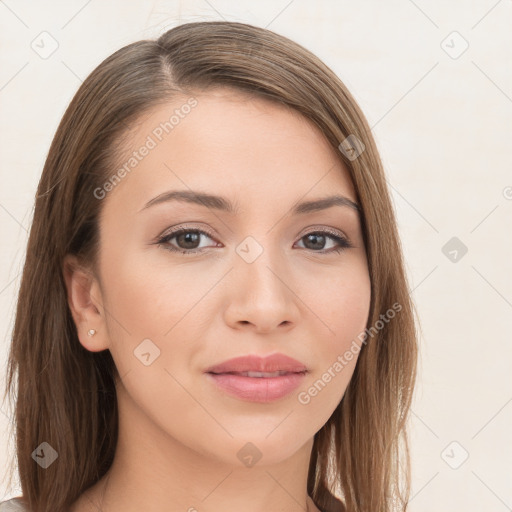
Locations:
{"points": [[254, 363], [258, 389]]}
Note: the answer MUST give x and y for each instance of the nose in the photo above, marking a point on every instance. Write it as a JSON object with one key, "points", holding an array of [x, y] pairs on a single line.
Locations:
{"points": [[261, 296]]}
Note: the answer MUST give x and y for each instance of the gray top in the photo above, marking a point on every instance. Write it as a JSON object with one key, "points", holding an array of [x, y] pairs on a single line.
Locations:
{"points": [[13, 505]]}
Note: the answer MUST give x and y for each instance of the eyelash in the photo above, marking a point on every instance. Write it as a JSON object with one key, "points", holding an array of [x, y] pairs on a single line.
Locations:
{"points": [[163, 241]]}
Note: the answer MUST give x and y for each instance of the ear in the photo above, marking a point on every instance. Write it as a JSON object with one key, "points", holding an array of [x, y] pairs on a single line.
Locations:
{"points": [[86, 304]]}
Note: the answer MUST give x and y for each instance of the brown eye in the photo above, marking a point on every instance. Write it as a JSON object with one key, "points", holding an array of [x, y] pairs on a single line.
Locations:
{"points": [[317, 240], [187, 240]]}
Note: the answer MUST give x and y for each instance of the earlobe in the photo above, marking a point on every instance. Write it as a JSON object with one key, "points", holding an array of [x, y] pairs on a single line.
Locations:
{"points": [[85, 304]]}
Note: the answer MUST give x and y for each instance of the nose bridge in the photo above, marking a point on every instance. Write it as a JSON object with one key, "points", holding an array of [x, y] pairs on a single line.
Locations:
{"points": [[263, 297], [259, 263]]}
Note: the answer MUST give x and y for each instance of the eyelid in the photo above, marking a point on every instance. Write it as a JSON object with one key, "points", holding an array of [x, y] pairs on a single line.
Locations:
{"points": [[325, 229], [336, 234], [209, 232], [185, 227]]}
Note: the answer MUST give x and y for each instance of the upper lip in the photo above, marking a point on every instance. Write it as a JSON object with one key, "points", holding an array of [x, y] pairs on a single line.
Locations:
{"points": [[255, 363]]}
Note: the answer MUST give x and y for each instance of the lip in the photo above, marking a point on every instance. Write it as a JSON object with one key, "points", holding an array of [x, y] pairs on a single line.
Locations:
{"points": [[226, 376], [255, 363]]}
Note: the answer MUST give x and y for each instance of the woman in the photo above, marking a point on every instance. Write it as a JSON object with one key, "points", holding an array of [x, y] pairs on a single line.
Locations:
{"points": [[213, 312]]}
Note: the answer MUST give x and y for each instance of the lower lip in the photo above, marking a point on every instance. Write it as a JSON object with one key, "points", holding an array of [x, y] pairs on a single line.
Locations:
{"points": [[257, 389]]}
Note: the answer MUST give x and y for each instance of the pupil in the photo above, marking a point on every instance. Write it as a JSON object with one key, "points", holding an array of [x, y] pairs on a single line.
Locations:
{"points": [[316, 238], [190, 238]]}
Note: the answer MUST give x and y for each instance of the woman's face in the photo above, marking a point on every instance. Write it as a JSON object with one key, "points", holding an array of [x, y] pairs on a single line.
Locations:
{"points": [[260, 279]]}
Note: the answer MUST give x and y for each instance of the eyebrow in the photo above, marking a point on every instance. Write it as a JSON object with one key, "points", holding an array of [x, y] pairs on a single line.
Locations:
{"points": [[223, 204]]}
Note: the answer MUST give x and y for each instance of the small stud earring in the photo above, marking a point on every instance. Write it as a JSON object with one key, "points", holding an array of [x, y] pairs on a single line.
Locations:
{"points": [[91, 332]]}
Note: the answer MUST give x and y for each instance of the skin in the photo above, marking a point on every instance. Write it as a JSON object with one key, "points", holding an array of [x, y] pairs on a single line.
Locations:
{"points": [[179, 434]]}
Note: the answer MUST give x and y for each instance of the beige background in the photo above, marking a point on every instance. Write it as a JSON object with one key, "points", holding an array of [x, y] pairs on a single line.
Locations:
{"points": [[442, 120]]}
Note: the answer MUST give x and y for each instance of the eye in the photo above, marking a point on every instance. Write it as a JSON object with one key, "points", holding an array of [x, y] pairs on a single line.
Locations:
{"points": [[188, 241], [186, 238], [319, 238]]}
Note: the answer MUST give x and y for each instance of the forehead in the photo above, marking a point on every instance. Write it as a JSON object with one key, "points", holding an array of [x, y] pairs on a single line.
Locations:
{"points": [[229, 143]]}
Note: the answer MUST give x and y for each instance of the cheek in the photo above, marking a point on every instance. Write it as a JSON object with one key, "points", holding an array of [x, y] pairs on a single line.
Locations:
{"points": [[149, 320], [154, 306], [340, 299], [342, 306], [148, 299]]}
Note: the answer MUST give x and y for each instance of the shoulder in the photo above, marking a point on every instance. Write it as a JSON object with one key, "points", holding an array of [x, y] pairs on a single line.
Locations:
{"points": [[13, 505]]}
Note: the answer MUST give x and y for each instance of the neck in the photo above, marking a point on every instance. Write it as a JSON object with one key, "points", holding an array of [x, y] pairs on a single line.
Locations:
{"points": [[152, 470]]}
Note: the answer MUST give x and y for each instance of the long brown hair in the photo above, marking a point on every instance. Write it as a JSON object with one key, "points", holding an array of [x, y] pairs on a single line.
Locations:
{"points": [[66, 395]]}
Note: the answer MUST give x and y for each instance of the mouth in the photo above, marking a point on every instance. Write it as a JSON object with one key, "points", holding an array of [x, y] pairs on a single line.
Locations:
{"points": [[258, 375], [256, 364], [255, 378], [258, 387]]}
